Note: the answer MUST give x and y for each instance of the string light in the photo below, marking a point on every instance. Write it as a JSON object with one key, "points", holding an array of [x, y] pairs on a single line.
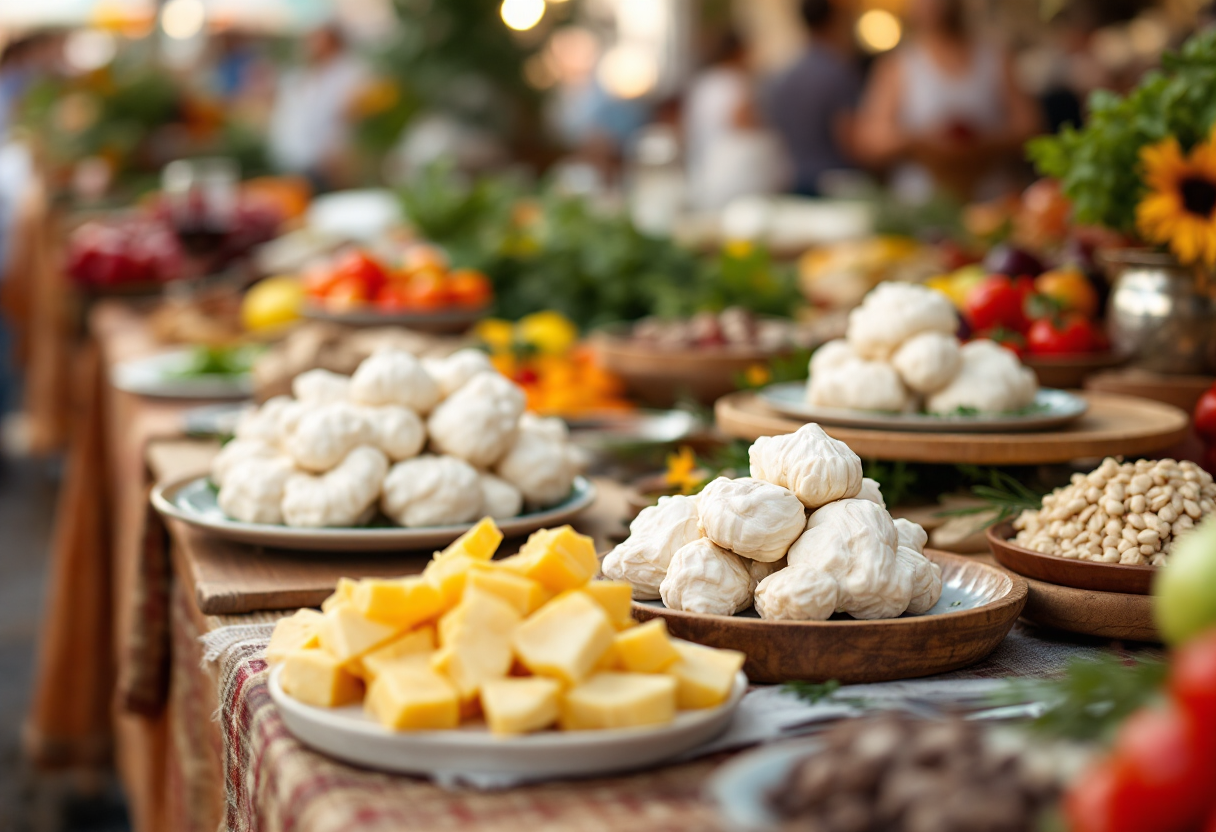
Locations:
{"points": [[522, 15], [879, 30]]}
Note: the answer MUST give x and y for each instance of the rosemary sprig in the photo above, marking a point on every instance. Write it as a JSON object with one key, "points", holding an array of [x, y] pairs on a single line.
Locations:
{"points": [[1003, 496]]}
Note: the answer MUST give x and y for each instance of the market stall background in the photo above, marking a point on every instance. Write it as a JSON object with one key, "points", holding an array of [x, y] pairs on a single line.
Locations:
{"points": [[604, 201]]}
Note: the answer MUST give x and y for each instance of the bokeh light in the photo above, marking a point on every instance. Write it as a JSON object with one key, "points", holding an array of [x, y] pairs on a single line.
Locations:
{"points": [[628, 71], [88, 49], [183, 19], [878, 30], [522, 15]]}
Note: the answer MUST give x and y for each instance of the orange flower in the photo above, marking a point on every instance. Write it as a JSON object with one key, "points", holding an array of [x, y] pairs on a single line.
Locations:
{"points": [[682, 471]]}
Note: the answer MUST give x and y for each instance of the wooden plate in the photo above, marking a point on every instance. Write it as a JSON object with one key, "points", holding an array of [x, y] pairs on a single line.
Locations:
{"points": [[1113, 425], [1070, 371], [1081, 574], [1180, 391], [660, 377], [1053, 408], [1091, 613], [979, 604]]}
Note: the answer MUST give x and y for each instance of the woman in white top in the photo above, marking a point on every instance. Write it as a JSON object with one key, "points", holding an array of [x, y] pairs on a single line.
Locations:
{"points": [[943, 111]]}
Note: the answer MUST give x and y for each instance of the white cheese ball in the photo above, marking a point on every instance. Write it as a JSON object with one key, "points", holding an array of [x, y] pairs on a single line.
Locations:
{"points": [[432, 491], [541, 467], [501, 500], [854, 542], [859, 385], [872, 491], [911, 534], [813, 465], [478, 423], [758, 570], [263, 423], [394, 377], [831, 355], [705, 578], [454, 371], [320, 386], [752, 518], [655, 535], [343, 496], [253, 489], [395, 430], [991, 380], [894, 312], [926, 577], [797, 593], [237, 451], [929, 361], [325, 434]]}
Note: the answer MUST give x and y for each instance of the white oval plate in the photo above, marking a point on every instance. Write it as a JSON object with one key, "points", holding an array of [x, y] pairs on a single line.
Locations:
{"points": [[155, 375], [350, 735], [193, 500], [1052, 408]]}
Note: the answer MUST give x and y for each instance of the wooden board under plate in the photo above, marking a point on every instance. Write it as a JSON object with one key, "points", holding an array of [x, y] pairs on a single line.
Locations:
{"points": [[1091, 613]]}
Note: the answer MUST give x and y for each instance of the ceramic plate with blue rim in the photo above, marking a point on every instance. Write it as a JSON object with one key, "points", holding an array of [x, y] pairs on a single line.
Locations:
{"points": [[193, 500], [1051, 409], [168, 375]]}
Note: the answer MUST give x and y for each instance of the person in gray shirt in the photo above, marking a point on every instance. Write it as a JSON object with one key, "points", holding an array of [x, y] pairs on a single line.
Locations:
{"points": [[810, 104]]}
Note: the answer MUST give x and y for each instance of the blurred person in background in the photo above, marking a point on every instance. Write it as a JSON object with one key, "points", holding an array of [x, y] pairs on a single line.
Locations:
{"points": [[943, 113], [727, 151], [811, 104], [310, 123]]}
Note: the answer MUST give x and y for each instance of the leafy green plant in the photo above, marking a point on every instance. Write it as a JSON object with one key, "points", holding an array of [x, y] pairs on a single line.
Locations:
{"points": [[1099, 164], [1002, 498]]}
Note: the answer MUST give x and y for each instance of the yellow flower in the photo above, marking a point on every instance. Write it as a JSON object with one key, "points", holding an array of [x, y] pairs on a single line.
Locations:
{"points": [[682, 471], [757, 375], [495, 333], [550, 332], [1180, 209], [739, 248]]}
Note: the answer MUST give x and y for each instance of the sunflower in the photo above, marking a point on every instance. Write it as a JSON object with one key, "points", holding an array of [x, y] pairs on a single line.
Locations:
{"points": [[1180, 209]]}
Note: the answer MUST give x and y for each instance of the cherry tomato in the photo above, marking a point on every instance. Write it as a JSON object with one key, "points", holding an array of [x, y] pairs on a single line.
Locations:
{"points": [[425, 292], [1163, 772], [392, 298], [1070, 288], [1192, 684], [347, 293], [1015, 342], [469, 288], [359, 265], [1204, 416], [998, 301], [1071, 336], [1089, 805]]}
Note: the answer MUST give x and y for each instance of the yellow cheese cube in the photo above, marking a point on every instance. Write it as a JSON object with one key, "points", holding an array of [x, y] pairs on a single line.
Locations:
{"points": [[560, 559], [341, 594], [475, 642], [616, 597], [347, 635], [565, 638], [478, 543], [413, 643], [518, 706], [619, 700], [413, 698], [645, 648], [295, 632], [704, 675], [402, 602], [448, 576], [525, 594], [316, 678]]}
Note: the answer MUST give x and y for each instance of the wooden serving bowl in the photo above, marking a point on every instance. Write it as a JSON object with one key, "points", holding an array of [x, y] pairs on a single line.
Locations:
{"points": [[853, 651], [1068, 372], [659, 377], [1088, 612], [1079, 574]]}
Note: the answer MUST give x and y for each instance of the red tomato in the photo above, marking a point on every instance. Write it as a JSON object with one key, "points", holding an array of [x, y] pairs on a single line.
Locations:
{"points": [[469, 288], [1192, 684], [1007, 338], [347, 293], [1071, 336], [359, 265], [392, 298], [1070, 288], [1204, 416], [1089, 805], [425, 292], [998, 301], [1163, 772], [318, 280]]}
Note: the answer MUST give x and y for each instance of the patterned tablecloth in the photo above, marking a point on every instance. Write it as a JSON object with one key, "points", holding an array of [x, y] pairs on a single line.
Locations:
{"points": [[275, 784]]}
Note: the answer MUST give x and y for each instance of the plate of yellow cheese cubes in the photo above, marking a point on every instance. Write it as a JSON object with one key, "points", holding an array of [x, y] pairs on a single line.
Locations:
{"points": [[526, 666]]}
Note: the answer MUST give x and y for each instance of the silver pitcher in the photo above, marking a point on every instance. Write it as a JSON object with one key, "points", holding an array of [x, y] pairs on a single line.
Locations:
{"points": [[1161, 313]]}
